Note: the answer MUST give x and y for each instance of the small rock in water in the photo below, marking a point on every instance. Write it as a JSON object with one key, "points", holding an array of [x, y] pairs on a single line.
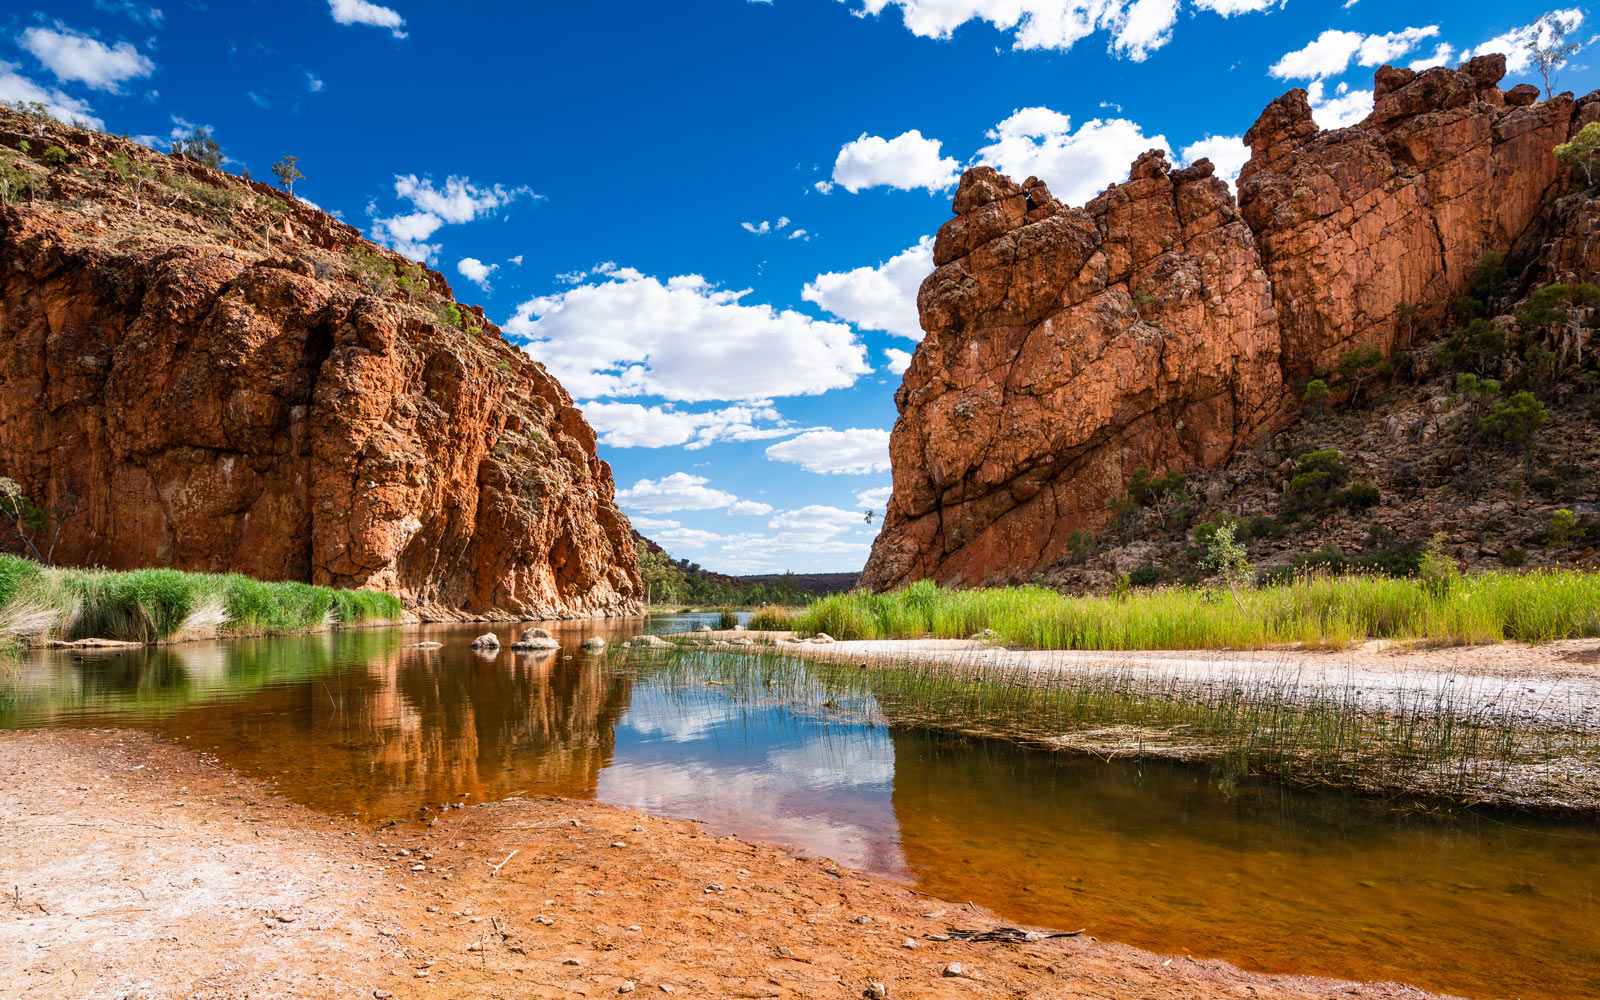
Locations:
{"points": [[649, 641], [705, 628], [421, 645], [535, 643], [535, 633], [486, 640], [953, 969], [593, 642]]}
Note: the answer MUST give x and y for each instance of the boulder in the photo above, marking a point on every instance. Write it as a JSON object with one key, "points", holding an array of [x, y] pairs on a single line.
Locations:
{"points": [[487, 640], [593, 644], [535, 642], [648, 642]]}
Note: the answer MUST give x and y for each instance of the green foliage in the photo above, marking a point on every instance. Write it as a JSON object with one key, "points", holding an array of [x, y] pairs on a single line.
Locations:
{"points": [[1512, 556], [54, 157], [1140, 302], [134, 174], [1516, 421], [1489, 277], [1316, 395], [1227, 557], [670, 581], [1582, 152], [1147, 575], [1358, 366], [449, 314], [1145, 491], [1547, 307], [286, 173], [149, 605], [1476, 348], [727, 620], [771, 620], [1316, 486], [16, 182], [372, 270], [1547, 43], [1563, 529], [223, 196], [199, 145], [1323, 610]]}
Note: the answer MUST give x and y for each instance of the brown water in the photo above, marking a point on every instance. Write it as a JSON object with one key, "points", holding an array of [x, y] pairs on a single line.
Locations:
{"points": [[1161, 856]]}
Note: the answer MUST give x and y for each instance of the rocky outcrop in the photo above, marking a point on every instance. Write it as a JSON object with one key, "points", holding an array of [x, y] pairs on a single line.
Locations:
{"points": [[221, 379], [1162, 324]]}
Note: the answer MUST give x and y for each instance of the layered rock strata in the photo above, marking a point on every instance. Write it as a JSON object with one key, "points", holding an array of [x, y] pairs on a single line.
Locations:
{"points": [[214, 377], [1162, 324]]}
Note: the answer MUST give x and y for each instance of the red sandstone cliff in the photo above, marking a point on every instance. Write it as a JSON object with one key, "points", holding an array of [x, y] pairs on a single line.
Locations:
{"points": [[289, 412], [1160, 325]]}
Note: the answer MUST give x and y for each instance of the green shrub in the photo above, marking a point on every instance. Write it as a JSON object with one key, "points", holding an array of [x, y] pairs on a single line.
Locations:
{"points": [[1513, 556], [727, 620], [54, 157], [1359, 496], [1563, 529], [372, 270], [1476, 348], [1147, 575]]}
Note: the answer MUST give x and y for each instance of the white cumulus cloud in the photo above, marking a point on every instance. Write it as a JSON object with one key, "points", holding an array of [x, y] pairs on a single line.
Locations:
{"points": [[1331, 52], [459, 201], [1345, 108], [1517, 44], [16, 87], [877, 298], [632, 425], [476, 271], [1077, 164], [896, 360], [908, 161], [683, 339], [678, 491], [1227, 153], [73, 56], [815, 522], [826, 451], [876, 497], [1134, 28], [362, 12]]}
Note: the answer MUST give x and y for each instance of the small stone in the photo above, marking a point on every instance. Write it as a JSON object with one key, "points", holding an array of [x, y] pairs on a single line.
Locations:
{"points": [[546, 921], [784, 952], [619, 843], [487, 640], [422, 974], [628, 986], [571, 961], [714, 887], [863, 919], [908, 943], [433, 909], [594, 642], [283, 918], [665, 988], [877, 990], [419, 868], [953, 970], [637, 829], [635, 927], [381, 994]]}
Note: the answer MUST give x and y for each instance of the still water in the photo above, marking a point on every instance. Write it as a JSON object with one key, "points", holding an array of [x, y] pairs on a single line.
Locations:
{"points": [[1161, 856]]}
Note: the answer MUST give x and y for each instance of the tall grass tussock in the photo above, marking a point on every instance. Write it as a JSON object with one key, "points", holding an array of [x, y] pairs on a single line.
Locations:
{"points": [[151, 605], [1314, 610]]}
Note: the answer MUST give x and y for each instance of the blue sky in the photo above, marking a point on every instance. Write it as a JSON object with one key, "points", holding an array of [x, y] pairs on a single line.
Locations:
{"points": [[709, 219]]}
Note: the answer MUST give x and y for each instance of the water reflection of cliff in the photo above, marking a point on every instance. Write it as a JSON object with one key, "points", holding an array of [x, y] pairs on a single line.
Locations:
{"points": [[353, 722]]}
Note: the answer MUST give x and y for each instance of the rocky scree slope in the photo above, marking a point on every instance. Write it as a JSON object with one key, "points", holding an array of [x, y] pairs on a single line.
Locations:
{"points": [[1166, 325], [213, 376]]}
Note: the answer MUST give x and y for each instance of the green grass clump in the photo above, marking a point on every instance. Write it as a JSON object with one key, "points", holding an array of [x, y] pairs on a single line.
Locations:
{"points": [[1315, 610], [149, 605], [771, 620]]}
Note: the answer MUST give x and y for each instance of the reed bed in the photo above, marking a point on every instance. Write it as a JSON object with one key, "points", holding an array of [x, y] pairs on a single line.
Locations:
{"points": [[1318, 611], [151, 605], [1438, 743]]}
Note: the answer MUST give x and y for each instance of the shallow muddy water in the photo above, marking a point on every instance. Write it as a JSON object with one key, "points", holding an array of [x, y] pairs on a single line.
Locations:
{"points": [[1156, 855]]}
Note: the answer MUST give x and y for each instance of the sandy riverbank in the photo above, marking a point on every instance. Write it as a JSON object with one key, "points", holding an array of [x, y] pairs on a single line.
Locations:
{"points": [[134, 868]]}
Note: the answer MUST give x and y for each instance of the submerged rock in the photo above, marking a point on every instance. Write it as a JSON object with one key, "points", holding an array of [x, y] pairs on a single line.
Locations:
{"points": [[593, 644], [535, 643]]}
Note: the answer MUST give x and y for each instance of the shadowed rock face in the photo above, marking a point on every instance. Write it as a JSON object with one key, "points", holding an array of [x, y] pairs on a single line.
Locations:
{"points": [[217, 405], [1160, 325]]}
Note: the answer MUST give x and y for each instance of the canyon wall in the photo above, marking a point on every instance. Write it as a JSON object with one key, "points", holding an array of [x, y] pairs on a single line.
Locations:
{"points": [[1162, 324], [217, 378]]}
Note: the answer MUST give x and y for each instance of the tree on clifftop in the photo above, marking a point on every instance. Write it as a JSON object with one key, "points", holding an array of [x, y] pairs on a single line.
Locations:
{"points": [[284, 170], [200, 145], [1549, 46]]}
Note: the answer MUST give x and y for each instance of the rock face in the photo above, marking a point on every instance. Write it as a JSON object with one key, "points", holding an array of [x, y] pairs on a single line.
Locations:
{"points": [[1162, 324], [292, 412]]}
